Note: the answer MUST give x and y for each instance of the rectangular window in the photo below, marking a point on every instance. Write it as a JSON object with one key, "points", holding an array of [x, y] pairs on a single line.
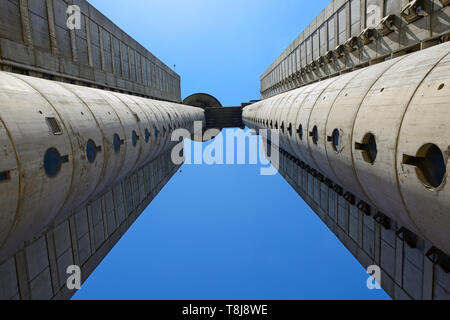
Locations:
{"points": [[392, 7], [308, 50], [373, 13], [355, 17], [54, 126], [5, 175], [298, 58], [342, 25], [323, 39], [303, 54], [294, 60], [315, 45], [331, 43]]}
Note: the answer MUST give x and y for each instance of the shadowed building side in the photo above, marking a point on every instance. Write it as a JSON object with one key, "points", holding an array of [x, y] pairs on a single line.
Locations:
{"points": [[364, 134], [371, 147]]}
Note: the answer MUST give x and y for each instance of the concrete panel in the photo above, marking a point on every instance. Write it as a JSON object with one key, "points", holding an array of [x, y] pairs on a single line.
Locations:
{"points": [[412, 280], [388, 259], [41, 286], [81, 222], [37, 258], [8, 280], [84, 248], [10, 21], [64, 261], [62, 239], [369, 241]]}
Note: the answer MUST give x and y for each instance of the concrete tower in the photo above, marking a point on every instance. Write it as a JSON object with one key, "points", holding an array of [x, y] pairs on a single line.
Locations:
{"points": [[361, 103]]}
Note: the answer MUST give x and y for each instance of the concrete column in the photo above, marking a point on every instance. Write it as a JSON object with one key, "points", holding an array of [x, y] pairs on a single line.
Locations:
{"points": [[360, 133], [51, 27], [26, 24], [88, 40], [84, 141]]}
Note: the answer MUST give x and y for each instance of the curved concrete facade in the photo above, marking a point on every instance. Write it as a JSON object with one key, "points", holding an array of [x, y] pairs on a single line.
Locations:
{"points": [[61, 145], [380, 132]]}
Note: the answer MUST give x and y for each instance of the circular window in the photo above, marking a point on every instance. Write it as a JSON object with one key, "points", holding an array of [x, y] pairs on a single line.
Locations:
{"points": [[147, 135], [336, 140], [91, 151], [431, 168], [117, 142], [134, 138], [368, 148], [290, 129], [300, 132], [314, 135], [52, 162]]}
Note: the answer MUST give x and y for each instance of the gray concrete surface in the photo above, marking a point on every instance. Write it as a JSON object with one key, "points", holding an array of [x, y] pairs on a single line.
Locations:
{"points": [[35, 40], [351, 34]]}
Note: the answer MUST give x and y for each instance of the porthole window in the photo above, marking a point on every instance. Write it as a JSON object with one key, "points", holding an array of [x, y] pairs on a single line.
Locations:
{"points": [[156, 132], [5, 175], [147, 135], [117, 142], [430, 165], [92, 150], [368, 147], [290, 129], [335, 140], [53, 161], [134, 138], [314, 134], [300, 132]]}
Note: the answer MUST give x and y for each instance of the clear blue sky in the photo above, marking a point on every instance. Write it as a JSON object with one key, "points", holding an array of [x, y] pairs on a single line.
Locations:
{"points": [[223, 232]]}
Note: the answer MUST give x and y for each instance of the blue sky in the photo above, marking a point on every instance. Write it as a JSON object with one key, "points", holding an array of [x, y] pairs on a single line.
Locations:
{"points": [[223, 231]]}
